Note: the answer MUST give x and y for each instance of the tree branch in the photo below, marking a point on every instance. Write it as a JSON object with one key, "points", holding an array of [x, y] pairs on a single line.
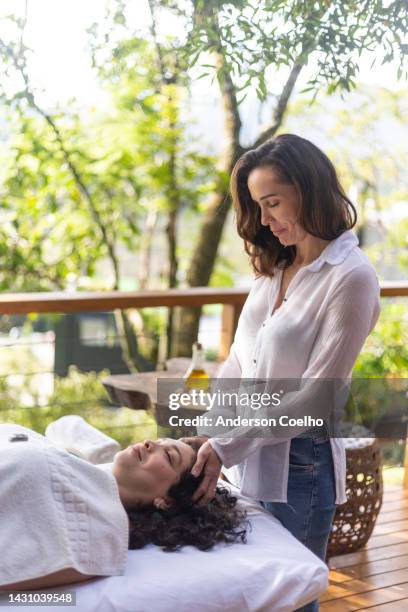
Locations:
{"points": [[83, 189], [280, 109], [129, 344], [206, 16], [80, 183], [307, 47], [232, 119], [160, 61]]}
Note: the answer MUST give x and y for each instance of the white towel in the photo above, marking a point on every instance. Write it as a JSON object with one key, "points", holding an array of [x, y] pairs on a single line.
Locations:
{"points": [[56, 511], [77, 436]]}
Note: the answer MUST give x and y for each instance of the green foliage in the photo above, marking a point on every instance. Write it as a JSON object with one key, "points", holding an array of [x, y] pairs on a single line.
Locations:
{"points": [[46, 234], [78, 185], [151, 107], [397, 242], [393, 455], [384, 357], [257, 36], [386, 351], [223, 274], [78, 393]]}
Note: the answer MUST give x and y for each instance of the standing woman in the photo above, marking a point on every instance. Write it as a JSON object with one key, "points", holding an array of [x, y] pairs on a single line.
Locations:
{"points": [[314, 301]]}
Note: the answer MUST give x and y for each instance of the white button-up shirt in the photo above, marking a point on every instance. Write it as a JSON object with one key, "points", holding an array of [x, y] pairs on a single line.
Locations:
{"points": [[331, 306]]}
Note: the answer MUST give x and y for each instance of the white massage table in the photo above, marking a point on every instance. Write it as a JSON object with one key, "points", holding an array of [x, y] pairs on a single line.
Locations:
{"points": [[272, 572]]}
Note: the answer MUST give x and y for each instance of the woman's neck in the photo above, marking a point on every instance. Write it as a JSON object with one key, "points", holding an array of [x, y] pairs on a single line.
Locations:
{"points": [[308, 249]]}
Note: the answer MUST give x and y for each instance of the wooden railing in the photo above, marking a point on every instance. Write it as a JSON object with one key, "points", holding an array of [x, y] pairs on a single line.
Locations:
{"points": [[63, 302], [232, 301]]}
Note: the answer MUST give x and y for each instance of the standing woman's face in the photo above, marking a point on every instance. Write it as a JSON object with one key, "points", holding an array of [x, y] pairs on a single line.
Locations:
{"points": [[279, 204]]}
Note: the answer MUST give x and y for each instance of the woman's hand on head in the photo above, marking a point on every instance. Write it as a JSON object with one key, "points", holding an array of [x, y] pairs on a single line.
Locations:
{"points": [[207, 460]]}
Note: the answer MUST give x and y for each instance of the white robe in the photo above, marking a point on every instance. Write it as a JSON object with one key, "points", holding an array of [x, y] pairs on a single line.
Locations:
{"points": [[56, 511]]}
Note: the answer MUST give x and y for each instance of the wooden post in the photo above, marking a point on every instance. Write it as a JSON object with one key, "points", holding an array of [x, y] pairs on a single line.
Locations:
{"points": [[229, 322], [405, 480]]}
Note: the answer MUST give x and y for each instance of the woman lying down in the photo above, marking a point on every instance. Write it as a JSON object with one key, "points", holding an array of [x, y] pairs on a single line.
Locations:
{"points": [[64, 520]]}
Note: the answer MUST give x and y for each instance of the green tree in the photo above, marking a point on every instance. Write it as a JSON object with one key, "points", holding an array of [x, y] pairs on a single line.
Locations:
{"points": [[247, 43], [137, 164], [148, 83], [47, 235], [80, 186]]}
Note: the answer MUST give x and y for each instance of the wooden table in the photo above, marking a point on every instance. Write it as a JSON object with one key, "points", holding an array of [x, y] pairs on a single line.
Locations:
{"points": [[139, 391]]}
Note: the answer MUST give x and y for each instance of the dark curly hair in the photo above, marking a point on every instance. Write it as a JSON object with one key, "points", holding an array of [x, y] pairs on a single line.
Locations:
{"points": [[326, 211], [186, 523]]}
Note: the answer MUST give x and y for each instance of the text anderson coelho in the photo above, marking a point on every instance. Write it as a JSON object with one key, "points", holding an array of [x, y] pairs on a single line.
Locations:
{"points": [[238, 421]]}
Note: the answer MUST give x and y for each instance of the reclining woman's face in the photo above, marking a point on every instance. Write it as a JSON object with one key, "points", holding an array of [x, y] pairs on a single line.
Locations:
{"points": [[145, 471]]}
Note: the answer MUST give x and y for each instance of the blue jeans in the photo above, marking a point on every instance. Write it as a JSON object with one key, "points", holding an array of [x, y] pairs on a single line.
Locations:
{"points": [[309, 511]]}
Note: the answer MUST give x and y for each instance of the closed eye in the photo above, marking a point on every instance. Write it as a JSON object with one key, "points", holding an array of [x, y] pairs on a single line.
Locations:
{"points": [[168, 457], [272, 205]]}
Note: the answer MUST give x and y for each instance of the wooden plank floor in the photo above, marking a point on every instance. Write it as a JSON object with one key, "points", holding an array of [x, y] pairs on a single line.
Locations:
{"points": [[376, 577]]}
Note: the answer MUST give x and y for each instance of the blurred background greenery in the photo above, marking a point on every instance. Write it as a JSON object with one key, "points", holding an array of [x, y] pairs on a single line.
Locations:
{"points": [[119, 125]]}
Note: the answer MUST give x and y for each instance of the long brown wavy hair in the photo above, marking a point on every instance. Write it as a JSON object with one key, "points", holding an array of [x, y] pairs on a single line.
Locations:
{"points": [[186, 523], [325, 210]]}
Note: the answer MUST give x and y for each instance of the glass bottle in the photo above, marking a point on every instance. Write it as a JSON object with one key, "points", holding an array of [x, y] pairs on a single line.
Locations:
{"points": [[196, 377]]}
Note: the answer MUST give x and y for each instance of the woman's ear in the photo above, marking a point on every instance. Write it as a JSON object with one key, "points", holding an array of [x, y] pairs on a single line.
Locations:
{"points": [[163, 503]]}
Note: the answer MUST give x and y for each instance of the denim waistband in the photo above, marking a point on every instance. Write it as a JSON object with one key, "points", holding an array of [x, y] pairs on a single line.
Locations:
{"points": [[320, 434]]}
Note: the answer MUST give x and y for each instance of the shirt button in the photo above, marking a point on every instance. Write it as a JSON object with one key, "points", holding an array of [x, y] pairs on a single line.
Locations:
{"points": [[254, 360], [18, 438], [263, 324]]}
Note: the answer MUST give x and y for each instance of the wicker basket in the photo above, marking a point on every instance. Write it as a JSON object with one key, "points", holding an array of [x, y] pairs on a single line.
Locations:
{"points": [[354, 521]]}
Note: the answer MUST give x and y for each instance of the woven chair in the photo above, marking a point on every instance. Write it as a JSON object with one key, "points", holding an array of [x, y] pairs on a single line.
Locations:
{"points": [[354, 521]]}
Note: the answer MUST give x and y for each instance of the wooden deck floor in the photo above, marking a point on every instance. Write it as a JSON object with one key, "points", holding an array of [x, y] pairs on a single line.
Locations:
{"points": [[375, 578]]}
